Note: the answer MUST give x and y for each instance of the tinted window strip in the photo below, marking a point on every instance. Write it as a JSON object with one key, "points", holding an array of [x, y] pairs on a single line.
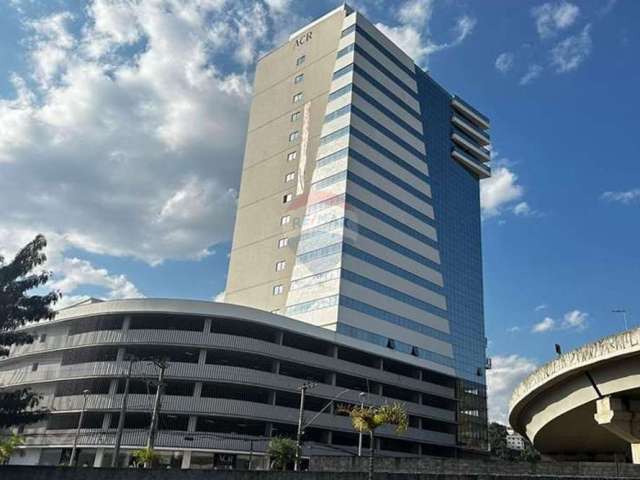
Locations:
{"points": [[343, 71], [382, 240], [392, 293], [388, 73], [388, 133], [351, 200], [385, 52], [390, 198], [401, 272], [388, 112], [387, 92], [393, 318], [340, 92], [381, 171], [386, 153]]}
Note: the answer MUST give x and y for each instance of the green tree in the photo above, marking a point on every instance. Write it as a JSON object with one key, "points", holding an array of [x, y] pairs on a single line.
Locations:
{"points": [[8, 445], [145, 457], [17, 308], [282, 452], [367, 419], [498, 441]]}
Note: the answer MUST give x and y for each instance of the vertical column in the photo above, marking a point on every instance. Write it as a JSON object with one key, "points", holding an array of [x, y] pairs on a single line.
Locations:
{"points": [[207, 325], [126, 323], [202, 356], [97, 461]]}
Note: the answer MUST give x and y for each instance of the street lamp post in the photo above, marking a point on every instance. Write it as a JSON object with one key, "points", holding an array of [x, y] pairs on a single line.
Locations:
{"points": [[74, 450], [362, 397], [624, 316]]}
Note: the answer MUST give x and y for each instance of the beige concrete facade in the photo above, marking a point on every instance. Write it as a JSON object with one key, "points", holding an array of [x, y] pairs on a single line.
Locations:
{"points": [[258, 229]]}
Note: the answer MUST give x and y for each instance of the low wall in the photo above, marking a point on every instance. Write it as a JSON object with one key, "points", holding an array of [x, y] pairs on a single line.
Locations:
{"points": [[433, 470], [479, 468]]}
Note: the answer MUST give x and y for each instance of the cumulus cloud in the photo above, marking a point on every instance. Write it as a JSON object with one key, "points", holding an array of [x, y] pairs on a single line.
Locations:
{"points": [[505, 375], [499, 191], [533, 72], [550, 18], [544, 326], [572, 320], [575, 319], [70, 273], [625, 197], [413, 35], [122, 154], [569, 54], [504, 62]]}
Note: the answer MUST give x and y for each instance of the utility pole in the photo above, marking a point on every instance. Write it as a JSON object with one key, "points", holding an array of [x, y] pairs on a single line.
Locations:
{"points": [[162, 364], [123, 412], [362, 395], [303, 389], [74, 450]]}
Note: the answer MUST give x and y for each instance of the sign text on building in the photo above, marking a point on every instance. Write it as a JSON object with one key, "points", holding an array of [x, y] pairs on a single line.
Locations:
{"points": [[302, 39]]}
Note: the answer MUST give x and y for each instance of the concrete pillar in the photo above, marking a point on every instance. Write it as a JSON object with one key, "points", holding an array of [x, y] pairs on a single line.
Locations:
{"points": [[202, 357], [126, 323], [186, 460], [97, 461], [622, 418], [207, 325], [276, 366], [279, 337], [120, 355], [197, 390]]}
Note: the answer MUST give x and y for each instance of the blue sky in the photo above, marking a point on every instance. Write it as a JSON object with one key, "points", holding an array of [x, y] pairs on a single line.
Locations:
{"points": [[122, 130]]}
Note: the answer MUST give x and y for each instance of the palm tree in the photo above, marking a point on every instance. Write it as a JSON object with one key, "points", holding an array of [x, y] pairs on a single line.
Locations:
{"points": [[367, 419], [282, 452]]}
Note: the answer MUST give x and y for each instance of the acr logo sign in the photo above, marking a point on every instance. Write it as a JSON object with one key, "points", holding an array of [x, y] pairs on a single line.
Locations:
{"points": [[301, 40]]}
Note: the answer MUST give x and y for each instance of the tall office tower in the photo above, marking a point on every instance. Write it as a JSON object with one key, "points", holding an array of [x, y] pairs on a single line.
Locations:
{"points": [[359, 203]]}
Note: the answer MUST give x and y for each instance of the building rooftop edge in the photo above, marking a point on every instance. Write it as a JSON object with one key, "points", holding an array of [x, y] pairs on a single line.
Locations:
{"points": [[241, 312]]}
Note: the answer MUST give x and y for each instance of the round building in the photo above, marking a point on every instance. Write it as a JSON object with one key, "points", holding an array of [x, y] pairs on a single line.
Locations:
{"points": [[231, 382]]}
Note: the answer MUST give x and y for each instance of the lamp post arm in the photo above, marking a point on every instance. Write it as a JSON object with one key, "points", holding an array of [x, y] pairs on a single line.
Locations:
{"points": [[325, 407]]}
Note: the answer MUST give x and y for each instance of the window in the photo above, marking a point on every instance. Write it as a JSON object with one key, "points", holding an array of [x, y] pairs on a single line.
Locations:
{"points": [[285, 220], [283, 242], [292, 156], [34, 367], [297, 98], [278, 289], [293, 136], [43, 337], [301, 60], [299, 78], [295, 116], [290, 176], [287, 198], [281, 265]]}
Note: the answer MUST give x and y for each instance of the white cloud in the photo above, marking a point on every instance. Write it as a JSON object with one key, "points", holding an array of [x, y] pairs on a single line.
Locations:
{"points": [[626, 197], [544, 326], [413, 34], [522, 209], [551, 18], [121, 155], [505, 61], [533, 72], [542, 306], [575, 319], [499, 191], [69, 273], [505, 375], [416, 12], [572, 320], [514, 329], [219, 297], [571, 52]]}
